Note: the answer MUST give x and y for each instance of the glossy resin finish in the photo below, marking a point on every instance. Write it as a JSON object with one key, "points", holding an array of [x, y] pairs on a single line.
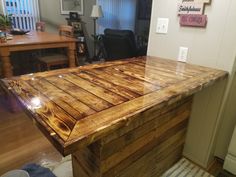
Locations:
{"points": [[75, 107]]}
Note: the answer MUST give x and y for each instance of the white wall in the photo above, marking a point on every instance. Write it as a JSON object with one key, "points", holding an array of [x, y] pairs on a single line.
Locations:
{"points": [[50, 12], [228, 121], [1, 8], [213, 46]]}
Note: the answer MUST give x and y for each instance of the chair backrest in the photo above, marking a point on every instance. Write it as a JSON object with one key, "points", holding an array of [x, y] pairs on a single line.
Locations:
{"points": [[119, 44], [65, 30], [40, 26]]}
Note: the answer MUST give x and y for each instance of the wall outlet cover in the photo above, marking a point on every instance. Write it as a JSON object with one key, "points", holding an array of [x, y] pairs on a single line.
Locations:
{"points": [[162, 25], [183, 54]]}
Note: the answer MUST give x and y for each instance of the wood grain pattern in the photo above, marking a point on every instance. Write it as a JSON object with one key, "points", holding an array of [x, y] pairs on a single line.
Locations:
{"points": [[79, 106], [148, 148]]}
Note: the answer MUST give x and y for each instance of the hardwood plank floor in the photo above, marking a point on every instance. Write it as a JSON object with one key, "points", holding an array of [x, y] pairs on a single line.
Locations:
{"points": [[21, 142]]}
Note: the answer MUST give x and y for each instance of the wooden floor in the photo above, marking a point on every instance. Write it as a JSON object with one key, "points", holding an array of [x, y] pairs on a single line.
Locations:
{"points": [[21, 142]]}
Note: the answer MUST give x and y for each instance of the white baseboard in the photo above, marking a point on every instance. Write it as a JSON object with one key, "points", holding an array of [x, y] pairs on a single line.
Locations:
{"points": [[230, 164]]}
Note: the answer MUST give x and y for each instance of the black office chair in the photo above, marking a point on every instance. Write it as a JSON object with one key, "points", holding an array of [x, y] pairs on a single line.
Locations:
{"points": [[120, 44]]}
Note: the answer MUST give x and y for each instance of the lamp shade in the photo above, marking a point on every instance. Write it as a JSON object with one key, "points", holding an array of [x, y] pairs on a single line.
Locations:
{"points": [[97, 11]]}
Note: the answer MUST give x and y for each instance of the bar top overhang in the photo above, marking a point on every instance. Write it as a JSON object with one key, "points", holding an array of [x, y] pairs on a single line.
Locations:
{"points": [[77, 106]]}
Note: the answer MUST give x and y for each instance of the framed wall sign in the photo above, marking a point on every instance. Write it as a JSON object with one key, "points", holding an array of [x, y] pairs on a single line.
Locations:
{"points": [[193, 20], [68, 6], [191, 13]]}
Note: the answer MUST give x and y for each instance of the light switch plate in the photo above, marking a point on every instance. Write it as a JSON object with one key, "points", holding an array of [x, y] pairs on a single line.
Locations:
{"points": [[183, 54], [162, 25]]}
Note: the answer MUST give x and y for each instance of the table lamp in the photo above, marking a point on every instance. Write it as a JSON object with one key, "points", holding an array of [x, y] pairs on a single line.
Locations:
{"points": [[96, 13]]}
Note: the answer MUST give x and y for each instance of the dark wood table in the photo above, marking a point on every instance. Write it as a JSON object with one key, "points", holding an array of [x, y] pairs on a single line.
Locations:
{"points": [[124, 118], [35, 40]]}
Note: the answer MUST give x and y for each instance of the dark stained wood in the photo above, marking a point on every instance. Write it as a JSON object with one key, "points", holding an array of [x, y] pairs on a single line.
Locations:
{"points": [[142, 148], [109, 85], [78, 106], [67, 102], [84, 96], [100, 92], [115, 118]]}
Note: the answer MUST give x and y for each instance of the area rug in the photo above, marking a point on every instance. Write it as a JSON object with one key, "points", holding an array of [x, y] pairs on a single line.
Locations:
{"points": [[184, 168]]}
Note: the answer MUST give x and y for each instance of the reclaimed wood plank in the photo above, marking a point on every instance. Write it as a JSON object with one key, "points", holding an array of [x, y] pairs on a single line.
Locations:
{"points": [[119, 143], [147, 72], [59, 72], [154, 164], [82, 95], [116, 158], [178, 70], [141, 74], [91, 163], [131, 84], [100, 92], [67, 102], [174, 64], [147, 116], [108, 85], [78, 169], [160, 145], [128, 109], [135, 81], [54, 116]]}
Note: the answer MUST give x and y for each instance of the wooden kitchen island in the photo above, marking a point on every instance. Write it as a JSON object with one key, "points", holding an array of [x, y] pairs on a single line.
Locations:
{"points": [[126, 118]]}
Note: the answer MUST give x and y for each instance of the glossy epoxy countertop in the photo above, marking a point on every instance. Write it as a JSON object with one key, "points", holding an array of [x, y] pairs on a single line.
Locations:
{"points": [[75, 107]]}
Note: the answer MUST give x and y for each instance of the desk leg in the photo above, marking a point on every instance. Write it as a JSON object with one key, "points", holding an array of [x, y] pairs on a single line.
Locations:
{"points": [[6, 63], [139, 149], [71, 55]]}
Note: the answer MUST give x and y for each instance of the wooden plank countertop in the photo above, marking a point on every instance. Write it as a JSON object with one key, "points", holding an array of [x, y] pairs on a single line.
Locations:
{"points": [[75, 107]]}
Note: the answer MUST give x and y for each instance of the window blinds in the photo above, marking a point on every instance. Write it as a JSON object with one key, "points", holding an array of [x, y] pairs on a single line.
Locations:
{"points": [[25, 13], [118, 14]]}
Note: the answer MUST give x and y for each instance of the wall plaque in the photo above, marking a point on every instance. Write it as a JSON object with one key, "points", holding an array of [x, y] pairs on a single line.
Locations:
{"points": [[193, 20], [197, 1], [190, 8]]}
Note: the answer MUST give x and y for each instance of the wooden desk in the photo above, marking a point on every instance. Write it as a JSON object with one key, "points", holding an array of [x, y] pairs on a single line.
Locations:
{"points": [[31, 41], [124, 118]]}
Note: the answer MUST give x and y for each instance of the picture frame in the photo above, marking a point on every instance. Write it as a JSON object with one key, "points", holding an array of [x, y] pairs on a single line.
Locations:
{"points": [[74, 16], [68, 6], [77, 26]]}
